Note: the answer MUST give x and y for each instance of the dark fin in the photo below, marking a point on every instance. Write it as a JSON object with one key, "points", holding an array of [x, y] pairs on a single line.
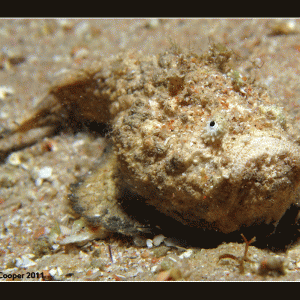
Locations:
{"points": [[97, 197]]}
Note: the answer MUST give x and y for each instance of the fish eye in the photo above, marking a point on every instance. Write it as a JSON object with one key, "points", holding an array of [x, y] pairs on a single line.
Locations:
{"points": [[212, 123]]}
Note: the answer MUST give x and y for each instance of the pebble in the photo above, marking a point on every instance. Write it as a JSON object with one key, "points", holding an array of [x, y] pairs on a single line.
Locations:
{"points": [[149, 243], [41, 246], [157, 240], [78, 143], [170, 242], [80, 53], [82, 29], [45, 172], [186, 254], [284, 27], [56, 271], [275, 263], [139, 241], [83, 237], [79, 238], [55, 247], [153, 23], [65, 24], [154, 269], [15, 159], [5, 91], [24, 261], [160, 251]]}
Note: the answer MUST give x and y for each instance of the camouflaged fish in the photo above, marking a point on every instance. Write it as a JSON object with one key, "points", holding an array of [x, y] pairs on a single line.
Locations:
{"points": [[191, 138]]}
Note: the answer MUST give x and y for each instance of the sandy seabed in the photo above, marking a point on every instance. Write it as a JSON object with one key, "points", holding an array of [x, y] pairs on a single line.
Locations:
{"points": [[34, 181]]}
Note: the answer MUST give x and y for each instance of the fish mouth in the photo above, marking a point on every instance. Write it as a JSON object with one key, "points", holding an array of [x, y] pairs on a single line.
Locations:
{"points": [[265, 180]]}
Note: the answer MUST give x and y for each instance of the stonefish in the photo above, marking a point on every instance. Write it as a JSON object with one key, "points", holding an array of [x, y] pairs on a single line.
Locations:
{"points": [[191, 137]]}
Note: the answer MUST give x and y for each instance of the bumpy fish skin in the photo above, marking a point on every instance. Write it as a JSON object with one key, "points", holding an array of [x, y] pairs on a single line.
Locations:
{"points": [[198, 141], [203, 145]]}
